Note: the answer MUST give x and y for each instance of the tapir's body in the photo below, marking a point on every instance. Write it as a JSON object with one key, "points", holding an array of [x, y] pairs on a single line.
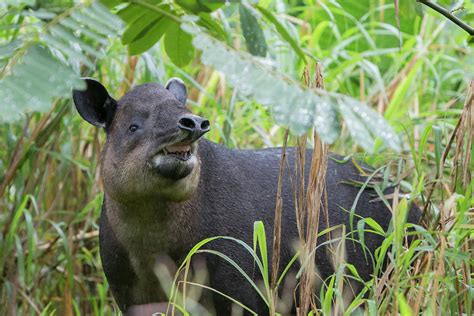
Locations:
{"points": [[221, 192]]}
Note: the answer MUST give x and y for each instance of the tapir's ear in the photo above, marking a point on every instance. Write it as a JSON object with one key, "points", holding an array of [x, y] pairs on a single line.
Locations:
{"points": [[177, 87], [94, 104]]}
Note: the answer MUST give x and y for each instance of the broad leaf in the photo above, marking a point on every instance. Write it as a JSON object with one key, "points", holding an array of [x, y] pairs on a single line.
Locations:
{"points": [[34, 83], [253, 34], [145, 26], [178, 46], [152, 35], [139, 27], [193, 6], [33, 79], [292, 104], [110, 3], [131, 13]]}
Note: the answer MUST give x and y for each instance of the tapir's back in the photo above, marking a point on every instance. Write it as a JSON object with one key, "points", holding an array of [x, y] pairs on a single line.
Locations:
{"points": [[240, 187], [244, 182]]}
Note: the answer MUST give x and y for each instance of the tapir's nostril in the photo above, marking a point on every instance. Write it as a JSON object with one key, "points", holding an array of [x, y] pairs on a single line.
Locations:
{"points": [[205, 125], [187, 123], [194, 125]]}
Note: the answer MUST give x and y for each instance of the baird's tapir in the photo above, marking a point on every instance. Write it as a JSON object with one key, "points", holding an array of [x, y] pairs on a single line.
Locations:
{"points": [[167, 188]]}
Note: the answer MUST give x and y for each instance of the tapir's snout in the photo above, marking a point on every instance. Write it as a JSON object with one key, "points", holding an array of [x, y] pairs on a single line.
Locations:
{"points": [[195, 126]]}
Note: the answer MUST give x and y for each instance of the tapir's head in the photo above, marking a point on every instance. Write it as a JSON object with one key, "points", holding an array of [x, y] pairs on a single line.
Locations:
{"points": [[151, 146]]}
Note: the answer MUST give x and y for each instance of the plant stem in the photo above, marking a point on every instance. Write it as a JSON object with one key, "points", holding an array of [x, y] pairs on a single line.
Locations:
{"points": [[469, 29]]}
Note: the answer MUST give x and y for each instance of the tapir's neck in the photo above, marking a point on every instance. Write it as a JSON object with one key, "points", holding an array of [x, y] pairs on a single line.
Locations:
{"points": [[159, 225], [139, 211], [156, 227]]}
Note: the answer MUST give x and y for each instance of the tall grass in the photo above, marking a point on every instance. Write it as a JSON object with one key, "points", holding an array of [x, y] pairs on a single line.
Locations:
{"points": [[418, 79]]}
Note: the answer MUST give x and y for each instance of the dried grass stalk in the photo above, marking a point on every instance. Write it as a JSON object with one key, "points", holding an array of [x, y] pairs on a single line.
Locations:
{"points": [[277, 228], [315, 193]]}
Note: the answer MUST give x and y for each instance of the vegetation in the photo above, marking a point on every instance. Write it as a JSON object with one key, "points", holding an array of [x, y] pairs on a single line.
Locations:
{"points": [[243, 63]]}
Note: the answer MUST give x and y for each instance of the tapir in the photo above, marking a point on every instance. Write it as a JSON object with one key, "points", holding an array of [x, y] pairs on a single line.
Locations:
{"points": [[167, 188]]}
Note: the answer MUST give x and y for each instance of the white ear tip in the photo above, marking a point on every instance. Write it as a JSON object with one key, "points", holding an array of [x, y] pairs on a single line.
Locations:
{"points": [[177, 87], [173, 80]]}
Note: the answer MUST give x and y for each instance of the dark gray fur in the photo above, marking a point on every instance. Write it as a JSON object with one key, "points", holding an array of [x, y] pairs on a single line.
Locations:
{"points": [[235, 188]]}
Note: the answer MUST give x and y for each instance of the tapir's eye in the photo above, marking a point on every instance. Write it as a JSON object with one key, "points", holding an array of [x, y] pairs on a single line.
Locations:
{"points": [[133, 128]]}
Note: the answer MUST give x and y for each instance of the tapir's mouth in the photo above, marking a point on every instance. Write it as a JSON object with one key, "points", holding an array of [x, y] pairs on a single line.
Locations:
{"points": [[174, 160], [181, 151]]}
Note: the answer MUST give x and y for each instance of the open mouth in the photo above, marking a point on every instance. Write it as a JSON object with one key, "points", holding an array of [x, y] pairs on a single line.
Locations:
{"points": [[175, 161], [180, 151]]}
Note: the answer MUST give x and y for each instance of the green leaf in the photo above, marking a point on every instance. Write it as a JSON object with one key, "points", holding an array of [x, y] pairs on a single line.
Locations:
{"points": [[7, 242], [18, 3], [399, 221], [150, 38], [34, 83], [212, 5], [374, 225], [404, 307], [260, 239], [110, 3], [8, 49], [131, 13], [353, 270], [192, 6], [197, 249], [214, 28], [287, 268], [178, 46], [408, 9], [282, 31], [371, 308], [101, 12], [398, 104], [140, 27], [253, 34], [199, 6], [238, 268], [438, 146], [102, 27], [329, 296], [361, 233]]}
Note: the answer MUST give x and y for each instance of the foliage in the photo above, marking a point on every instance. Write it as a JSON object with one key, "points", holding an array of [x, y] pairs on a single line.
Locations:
{"points": [[415, 76], [42, 79], [32, 75], [148, 21]]}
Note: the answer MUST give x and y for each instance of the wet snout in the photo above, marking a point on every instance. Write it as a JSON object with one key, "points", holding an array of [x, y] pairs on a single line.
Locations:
{"points": [[195, 126]]}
